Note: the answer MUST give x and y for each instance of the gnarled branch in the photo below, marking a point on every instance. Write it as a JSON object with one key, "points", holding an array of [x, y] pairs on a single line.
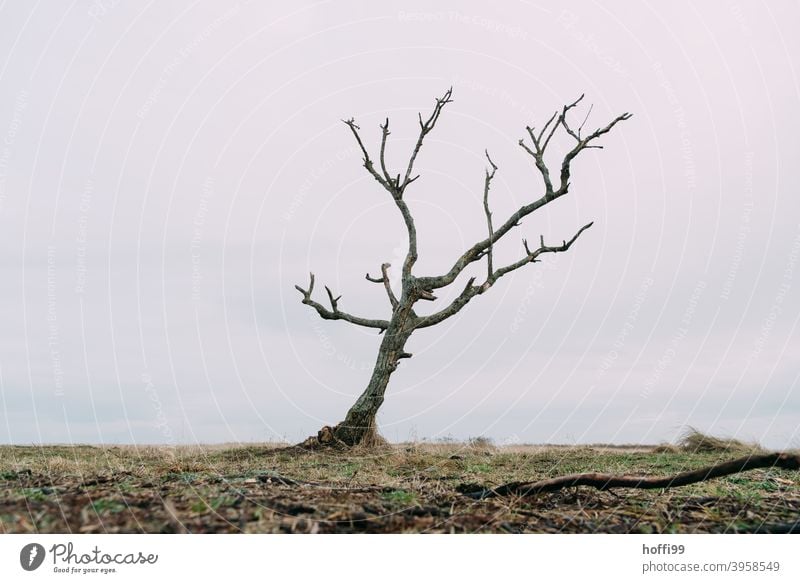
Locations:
{"points": [[395, 186], [384, 136], [387, 284], [470, 291], [422, 288], [425, 128], [539, 142], [368, 164], [335, 313], [486, 185], [600, 481], [531, 256], [582, 143]]}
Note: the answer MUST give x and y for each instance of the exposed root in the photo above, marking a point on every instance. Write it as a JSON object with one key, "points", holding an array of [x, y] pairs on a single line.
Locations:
{"points": [[344, 438], [324, 439], [607, 481]]}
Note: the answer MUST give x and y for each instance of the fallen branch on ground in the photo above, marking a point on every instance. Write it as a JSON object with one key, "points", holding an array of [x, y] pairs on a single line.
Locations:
{"points": [[608, 481]]}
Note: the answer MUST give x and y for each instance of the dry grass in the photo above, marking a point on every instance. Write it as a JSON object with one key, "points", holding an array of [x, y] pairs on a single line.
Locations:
{"points": [[399, 488], [695, 441]]}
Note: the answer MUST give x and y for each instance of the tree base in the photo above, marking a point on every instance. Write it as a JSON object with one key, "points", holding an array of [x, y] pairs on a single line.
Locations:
{"points": [[342, 438]]}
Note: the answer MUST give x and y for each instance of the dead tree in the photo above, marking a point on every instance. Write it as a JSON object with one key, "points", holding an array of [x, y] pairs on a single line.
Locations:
{"points": [[358, 426]]}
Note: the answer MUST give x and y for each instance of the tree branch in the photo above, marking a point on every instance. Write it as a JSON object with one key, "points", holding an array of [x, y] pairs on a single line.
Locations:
{"points": [[538, 157], [384, 135], [423, 287], [537, 150], [334, 301], [386, 284], [487, 183], [582, 143], [562, 118], [608, 481], [335, 313], [394, 185], [530, 256], [470, 291], [585, 119], [425, 128], [367, 160]]}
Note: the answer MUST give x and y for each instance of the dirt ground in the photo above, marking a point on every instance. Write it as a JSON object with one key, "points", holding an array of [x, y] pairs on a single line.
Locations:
{"points": [[407, 488]]}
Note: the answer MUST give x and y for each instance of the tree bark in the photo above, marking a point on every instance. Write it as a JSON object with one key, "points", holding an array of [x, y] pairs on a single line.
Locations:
{"points": [[359, 426]]}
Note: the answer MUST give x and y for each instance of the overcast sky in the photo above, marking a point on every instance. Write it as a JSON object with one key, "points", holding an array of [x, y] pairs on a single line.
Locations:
{"points": [[169, 171]]}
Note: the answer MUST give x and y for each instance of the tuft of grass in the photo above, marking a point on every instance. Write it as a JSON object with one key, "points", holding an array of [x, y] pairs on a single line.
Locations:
{"points": [[36, 494], [479, 468], [481, 444], [222, 501], [348, 469], [401, 497], [694, 441], [108, 505]]}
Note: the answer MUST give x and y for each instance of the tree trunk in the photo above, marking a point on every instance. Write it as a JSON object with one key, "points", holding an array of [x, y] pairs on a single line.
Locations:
{"points": [[359, 425]]}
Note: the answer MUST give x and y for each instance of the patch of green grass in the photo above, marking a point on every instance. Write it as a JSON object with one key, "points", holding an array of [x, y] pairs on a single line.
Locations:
{"points": [[401, 497], [756, 484], [108, 505], [748, 497], [348, 469], [222, 501], [185, 477], [36, 494]]}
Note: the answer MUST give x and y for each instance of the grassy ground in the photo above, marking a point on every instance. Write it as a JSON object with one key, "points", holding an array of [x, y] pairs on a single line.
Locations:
{"points": [[401, 488]]}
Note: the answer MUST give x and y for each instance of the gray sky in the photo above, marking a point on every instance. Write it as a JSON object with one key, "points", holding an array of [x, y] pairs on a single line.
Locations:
{"points": [[169, 172]]}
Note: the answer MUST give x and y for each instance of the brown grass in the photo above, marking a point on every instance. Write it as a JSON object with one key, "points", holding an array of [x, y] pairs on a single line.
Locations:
{"points": [[695, 441], [410, 487]]}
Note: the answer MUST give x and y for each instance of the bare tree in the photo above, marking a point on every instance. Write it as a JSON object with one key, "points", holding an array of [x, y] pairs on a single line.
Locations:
{"points": [[359, 425]]}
